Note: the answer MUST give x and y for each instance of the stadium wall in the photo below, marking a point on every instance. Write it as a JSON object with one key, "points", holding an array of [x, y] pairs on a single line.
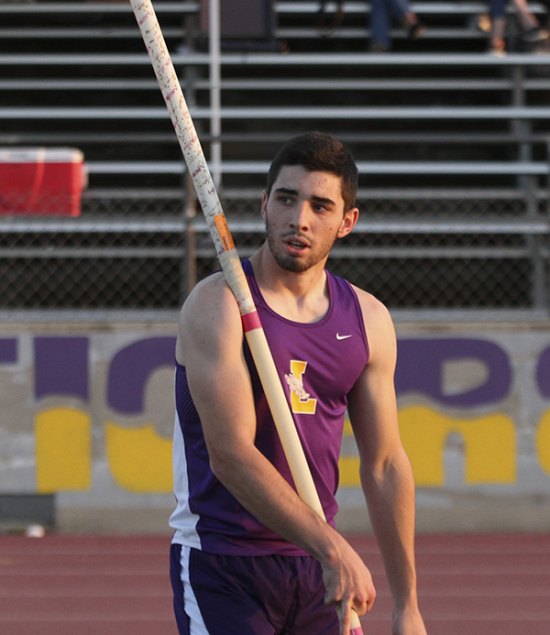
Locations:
{"points": [[87, 416]]}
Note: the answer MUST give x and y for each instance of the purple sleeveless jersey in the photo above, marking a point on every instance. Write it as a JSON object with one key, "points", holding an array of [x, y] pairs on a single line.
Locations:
{"points": [[318, 364]]}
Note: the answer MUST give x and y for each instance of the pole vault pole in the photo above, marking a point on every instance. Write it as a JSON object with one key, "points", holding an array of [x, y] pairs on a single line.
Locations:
{"points": [[229, 259]]}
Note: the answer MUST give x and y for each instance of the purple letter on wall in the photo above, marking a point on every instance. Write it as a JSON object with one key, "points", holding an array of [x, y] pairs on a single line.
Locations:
{"points": [[8, 350], [61, 367], [131, 368], [420, 369], [543, 373]]}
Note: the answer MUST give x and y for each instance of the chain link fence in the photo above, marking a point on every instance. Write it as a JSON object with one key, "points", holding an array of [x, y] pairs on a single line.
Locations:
{"points": [[463, 241], [139, 251]]}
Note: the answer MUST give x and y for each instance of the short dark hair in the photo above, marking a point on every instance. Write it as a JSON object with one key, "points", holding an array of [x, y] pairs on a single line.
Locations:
{"points": [[318, 152]]}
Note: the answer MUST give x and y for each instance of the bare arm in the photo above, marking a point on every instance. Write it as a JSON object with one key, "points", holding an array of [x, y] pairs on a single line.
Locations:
{"points": [[210, 346], [386, 475]]}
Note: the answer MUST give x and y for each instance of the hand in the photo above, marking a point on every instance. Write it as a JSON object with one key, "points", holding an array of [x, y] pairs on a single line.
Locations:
{"points": [[349, 620], [408, 622], [348, 583]]}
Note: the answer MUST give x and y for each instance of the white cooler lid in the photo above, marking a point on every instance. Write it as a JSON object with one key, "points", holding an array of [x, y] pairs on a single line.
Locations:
{"points": [[41, 155]]}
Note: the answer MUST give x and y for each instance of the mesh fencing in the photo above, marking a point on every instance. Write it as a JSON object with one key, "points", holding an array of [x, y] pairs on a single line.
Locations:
{"points": [[138, 251], [426, 241]]}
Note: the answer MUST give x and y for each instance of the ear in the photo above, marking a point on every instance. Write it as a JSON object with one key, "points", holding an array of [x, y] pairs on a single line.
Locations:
{"points": [[263, 209], [348, 222]]}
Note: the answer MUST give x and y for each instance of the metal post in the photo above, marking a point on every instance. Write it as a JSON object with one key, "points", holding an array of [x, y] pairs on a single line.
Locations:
{"points": [[190, 277], [545, 282], [522, 129], [189, 212], [529, 186], [215, 98]]}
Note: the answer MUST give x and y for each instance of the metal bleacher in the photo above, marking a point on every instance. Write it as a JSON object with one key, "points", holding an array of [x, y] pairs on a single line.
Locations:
{"points": [[452, 143]]}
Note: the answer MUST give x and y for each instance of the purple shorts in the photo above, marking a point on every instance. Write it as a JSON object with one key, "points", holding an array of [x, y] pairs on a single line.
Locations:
{"points": [[248, 595]]}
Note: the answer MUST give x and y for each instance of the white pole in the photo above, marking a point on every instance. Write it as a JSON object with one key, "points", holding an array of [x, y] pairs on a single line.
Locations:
{"points": [[215, 96], [228, 257]]}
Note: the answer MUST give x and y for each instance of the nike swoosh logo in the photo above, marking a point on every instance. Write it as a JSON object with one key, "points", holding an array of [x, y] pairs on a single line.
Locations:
{"points": [[342, 337]]}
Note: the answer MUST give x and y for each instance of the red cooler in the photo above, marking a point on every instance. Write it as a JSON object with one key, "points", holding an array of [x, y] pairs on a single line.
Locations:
{"points": [[41, 181]]}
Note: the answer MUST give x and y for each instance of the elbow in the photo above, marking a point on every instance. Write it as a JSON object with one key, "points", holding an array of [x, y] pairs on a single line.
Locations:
{"points": [[225, 464], [380, 468], [372, 473], [219, 465]]}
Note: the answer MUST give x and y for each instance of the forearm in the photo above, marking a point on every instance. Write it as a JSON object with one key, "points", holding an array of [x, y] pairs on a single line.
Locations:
{"points": [[260, 489], [389, 492]]}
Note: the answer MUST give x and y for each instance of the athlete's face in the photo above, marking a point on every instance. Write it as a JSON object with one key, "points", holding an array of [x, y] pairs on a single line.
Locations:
{"points": [[304, 215]]}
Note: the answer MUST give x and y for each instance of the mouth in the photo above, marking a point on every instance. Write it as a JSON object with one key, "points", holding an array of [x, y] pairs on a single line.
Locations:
{"points": [[296, 243]]}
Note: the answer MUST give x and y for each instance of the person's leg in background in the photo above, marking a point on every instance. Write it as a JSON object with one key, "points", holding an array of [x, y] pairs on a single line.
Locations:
{"points": [[497, 14], [380, 25], [382, 13], [531, 31]]}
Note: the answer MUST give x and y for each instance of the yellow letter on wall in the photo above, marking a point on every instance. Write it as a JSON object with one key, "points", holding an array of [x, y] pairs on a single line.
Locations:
{"points": [[139, 459], [63, 450], [489, 446], [543, 442]]}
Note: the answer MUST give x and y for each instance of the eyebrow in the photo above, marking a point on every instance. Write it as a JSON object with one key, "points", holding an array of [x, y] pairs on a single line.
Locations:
{"points": [[316, 199], [287, 190]]}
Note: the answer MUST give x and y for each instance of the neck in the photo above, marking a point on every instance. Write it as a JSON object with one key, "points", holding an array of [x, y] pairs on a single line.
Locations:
{"points": [[298, 296]]}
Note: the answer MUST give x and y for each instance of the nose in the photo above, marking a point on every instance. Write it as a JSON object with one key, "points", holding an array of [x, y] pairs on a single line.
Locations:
{"points": [[299, 219]]}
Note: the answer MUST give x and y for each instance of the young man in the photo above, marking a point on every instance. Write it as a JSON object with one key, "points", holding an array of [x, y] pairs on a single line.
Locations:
{"points": [[248, 556]]}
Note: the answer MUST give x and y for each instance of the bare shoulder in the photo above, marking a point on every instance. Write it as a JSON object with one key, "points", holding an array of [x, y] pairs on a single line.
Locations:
{"points": [[378, 323], [208, 294], [209, 315], [375, 312]]}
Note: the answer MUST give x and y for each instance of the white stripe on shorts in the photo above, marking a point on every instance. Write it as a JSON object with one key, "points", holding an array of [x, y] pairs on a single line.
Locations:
{"points": [[197, 625]]}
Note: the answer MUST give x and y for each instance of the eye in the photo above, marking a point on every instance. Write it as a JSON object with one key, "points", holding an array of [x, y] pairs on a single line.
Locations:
{"points": [[285, 199], [320, 208]]}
